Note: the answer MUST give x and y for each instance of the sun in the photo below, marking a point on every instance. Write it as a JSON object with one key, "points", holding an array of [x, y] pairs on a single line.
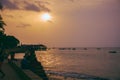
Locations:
{"points": [[46, 17]]}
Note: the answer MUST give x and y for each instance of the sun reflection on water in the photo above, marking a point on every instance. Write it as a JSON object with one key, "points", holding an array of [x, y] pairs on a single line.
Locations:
{"points": [[48, 59]]}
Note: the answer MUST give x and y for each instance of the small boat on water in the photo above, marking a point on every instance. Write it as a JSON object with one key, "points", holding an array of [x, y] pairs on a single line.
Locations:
{"points": [[112, 51]]}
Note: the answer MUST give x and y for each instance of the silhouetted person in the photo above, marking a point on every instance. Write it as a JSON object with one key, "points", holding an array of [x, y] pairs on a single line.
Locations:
{"points": [[35, 63], [25, 63], [35, 66], [29, 60]]}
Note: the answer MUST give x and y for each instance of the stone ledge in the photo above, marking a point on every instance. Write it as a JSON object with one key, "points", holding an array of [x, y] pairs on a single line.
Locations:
{"points": [[24, 74]]}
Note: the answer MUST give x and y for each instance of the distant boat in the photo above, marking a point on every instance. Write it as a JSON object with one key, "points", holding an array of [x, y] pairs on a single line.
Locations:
{"points": [[85, 48], [112, 51], [98, 48]]}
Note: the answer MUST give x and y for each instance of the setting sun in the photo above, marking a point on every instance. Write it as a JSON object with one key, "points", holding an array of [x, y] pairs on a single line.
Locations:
{"points": [[46, 17]]}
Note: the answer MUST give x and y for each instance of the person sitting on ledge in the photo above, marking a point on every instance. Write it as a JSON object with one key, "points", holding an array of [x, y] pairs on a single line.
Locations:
{"points": [[25, 63]]}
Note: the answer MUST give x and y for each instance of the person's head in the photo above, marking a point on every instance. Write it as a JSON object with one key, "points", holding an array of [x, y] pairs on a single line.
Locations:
{"points": [[31, 50]]}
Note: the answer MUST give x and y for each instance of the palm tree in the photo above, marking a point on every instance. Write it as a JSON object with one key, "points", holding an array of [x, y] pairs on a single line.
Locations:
{"points": [[6, 41], [2, 24]]}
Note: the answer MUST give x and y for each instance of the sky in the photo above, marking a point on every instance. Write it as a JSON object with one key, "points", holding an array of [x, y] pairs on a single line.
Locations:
{"points": [[74, 23]]}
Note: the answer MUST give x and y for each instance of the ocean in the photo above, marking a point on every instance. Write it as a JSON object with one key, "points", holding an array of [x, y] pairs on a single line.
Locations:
{"points": [[81, 63]]}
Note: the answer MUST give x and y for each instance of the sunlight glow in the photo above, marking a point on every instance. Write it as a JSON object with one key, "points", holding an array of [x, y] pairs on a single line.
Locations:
{"points": [[46, 17]]}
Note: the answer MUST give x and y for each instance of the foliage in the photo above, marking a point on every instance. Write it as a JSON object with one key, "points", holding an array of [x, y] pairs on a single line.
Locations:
{"points": [[6, 41]]}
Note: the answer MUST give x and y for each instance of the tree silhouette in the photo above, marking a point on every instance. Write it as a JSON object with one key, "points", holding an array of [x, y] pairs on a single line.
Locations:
{"points": [[9, 41], [6, 41]]}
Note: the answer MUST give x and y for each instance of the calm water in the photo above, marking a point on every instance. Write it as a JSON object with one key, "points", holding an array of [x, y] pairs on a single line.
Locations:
{"points": [[81, 64]]}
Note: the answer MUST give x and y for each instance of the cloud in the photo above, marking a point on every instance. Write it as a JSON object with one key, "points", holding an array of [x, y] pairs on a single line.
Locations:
{"points": [[9, 16], [8, 4], [29, 5], [23, 25], [1, 6], [72, 0]]}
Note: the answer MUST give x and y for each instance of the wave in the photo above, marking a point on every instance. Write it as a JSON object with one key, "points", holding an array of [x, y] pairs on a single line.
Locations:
{"points": [[74, 75]]}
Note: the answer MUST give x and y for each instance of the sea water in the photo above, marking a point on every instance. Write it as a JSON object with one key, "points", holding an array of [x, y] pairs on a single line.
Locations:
{"points": [[81, 63]]}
